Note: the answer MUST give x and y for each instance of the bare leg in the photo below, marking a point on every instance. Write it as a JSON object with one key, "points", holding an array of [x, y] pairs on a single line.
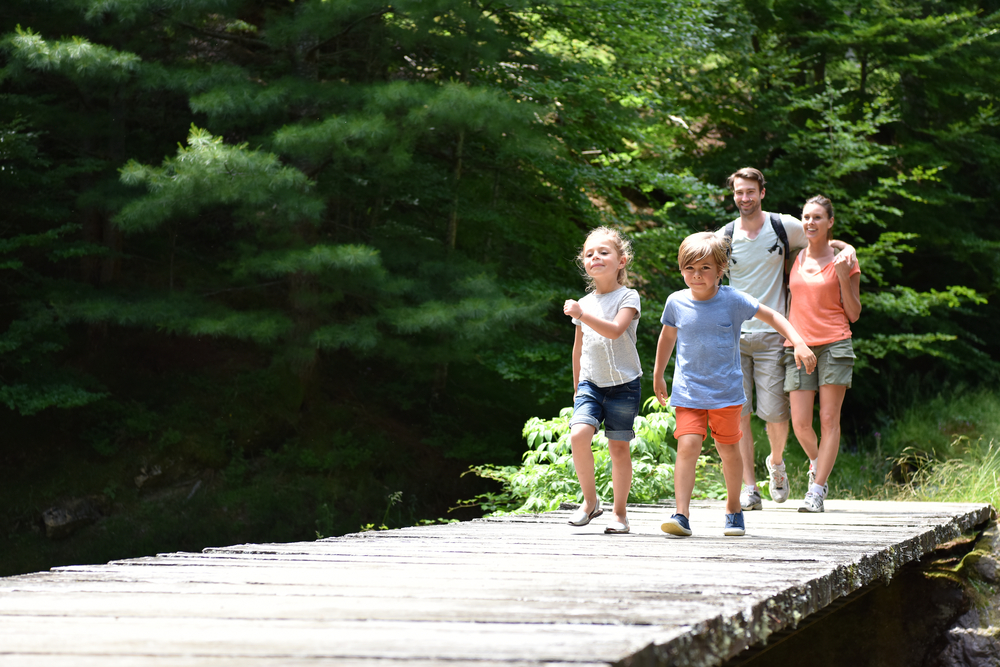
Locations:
{"points": [[688, 449], [621, 475], [802, 420], [580, 437], [777, 436], [731, 466], [831, 398], [746, 451]]}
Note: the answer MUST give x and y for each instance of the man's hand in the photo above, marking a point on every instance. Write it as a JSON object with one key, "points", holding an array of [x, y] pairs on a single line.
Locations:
{"points": [[843, 265], [846, 255]]}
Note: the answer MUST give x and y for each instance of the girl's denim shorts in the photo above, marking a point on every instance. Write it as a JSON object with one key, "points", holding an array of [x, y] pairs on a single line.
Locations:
{"points": [[616, 407]]}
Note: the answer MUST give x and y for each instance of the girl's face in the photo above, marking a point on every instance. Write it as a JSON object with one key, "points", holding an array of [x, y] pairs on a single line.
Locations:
{"points": [[601, 260], [702, 276], [816, 222]]}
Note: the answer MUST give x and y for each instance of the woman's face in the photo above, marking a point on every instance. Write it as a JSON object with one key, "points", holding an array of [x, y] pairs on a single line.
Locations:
{"points": [[816, 222]]}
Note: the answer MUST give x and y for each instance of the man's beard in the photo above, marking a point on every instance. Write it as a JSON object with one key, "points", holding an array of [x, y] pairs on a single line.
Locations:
{"points": [[751, 211]]}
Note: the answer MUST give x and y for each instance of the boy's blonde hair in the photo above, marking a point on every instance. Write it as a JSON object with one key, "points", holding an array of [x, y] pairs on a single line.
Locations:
{"points": [[622, 245], [701, 245]]}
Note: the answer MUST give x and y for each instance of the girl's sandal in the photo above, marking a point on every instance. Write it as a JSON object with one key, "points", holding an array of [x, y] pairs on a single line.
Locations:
{"points": [[615, 528], [581, 518]]}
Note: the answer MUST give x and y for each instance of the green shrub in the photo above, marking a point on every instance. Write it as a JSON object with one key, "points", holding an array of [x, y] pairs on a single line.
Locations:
{"points": [[547, 477]]}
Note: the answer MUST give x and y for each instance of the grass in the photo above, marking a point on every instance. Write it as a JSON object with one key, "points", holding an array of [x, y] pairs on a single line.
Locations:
{"points": [[946, 449], [975, 477]]}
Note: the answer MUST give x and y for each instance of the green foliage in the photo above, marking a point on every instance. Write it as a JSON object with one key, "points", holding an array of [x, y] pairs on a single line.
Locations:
{"points": [[209, 173], [76, 58], [547, 477]]}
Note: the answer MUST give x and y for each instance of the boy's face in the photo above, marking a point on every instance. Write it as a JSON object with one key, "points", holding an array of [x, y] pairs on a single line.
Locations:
{"points": [[702, 277]]}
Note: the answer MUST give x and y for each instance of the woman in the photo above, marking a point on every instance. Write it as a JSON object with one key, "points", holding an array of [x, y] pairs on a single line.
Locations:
{"points": [[825, 290]]}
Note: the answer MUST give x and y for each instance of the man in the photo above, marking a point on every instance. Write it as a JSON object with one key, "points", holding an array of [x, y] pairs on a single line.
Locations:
{"points": [[757, 267]]}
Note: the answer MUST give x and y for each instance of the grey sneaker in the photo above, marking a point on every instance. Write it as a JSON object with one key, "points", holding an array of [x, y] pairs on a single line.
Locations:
{"points": [[812, 503], [750, 499], [779, 481]]}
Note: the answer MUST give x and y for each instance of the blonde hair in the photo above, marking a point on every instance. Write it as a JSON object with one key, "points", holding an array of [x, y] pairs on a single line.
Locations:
{"points": [[701, 245], [622, 246]]}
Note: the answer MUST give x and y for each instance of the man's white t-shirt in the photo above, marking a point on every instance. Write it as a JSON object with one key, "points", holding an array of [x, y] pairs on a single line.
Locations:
{"points": [[757, 266]]}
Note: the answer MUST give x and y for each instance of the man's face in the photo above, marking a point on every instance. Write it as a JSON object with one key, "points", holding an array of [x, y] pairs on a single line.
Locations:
{"points": [[747, 195]]}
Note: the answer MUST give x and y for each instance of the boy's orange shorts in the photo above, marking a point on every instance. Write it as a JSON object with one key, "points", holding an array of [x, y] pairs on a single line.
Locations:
{"points": [[724, 422]]}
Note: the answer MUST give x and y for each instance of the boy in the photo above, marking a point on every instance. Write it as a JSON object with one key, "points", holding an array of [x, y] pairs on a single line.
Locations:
{"points": [[704, 321]]}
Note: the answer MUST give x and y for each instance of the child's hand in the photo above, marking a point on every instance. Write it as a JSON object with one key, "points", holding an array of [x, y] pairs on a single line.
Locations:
{"points": [[573, 309], [660, 389], [805, 357]]}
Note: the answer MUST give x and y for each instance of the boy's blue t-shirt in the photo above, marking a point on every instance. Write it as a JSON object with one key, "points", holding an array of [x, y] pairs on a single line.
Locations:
{"points": [[707, 373]]}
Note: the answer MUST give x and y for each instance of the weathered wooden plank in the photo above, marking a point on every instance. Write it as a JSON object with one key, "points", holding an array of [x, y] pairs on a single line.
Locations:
{"points": [[324, 640], [525, 590], [49, 660]]}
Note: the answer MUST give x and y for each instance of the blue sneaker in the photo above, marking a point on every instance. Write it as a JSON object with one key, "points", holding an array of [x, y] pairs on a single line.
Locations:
{"points": [[676, 525], [734, 525]]}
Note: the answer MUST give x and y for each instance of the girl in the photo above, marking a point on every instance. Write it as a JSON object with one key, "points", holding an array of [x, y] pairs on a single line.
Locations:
{"points": [[606, 372], [825, 292]]}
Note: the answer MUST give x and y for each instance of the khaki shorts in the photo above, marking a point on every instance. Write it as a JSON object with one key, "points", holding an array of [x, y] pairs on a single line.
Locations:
{"points": [[834, 365], [761, 355]]}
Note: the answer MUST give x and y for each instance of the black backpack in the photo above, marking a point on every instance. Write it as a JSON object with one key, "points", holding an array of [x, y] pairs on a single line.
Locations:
{"points": [[779, 231]]}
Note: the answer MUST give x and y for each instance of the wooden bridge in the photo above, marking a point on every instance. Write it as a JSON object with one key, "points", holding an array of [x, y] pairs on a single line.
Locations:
{"points": [[522, 591]]}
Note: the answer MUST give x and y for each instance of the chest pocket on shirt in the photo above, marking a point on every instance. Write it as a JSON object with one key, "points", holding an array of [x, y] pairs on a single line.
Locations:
{"points": [[724, 335]]}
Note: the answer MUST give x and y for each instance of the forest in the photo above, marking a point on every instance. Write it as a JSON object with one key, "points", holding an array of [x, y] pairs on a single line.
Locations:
{"points": [[280, 269]]}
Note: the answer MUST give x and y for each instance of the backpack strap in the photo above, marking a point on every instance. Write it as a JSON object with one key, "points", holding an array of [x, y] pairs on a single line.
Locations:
{"points": [[779, 231], [729, 230]]}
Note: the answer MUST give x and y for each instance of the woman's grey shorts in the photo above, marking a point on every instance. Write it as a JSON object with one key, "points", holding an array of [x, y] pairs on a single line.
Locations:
{"points": [[834, 365]]}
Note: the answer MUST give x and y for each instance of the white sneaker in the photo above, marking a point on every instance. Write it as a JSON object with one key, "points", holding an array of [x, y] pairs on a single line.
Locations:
{"points": [[813, 501], [779, 481], [750, 498]]}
